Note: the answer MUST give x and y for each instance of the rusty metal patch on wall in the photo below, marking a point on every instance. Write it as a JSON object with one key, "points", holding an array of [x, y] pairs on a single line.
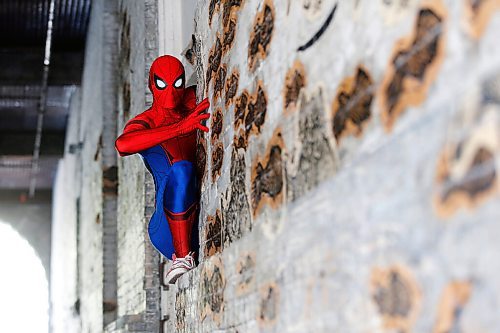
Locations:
{"points": [[396, 295], [352, 106], [214, 61], [295, 80], [269, 304], [467, 171], [213, 234], [260, 37], [217, 159], [268, 176], [245, 268], [232, 86], [211, 290], [217, 125], [415, 64], [250, 110]]}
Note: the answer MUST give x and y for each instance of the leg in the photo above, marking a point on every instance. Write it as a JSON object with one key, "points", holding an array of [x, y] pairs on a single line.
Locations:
{"points": [[180, 204]]}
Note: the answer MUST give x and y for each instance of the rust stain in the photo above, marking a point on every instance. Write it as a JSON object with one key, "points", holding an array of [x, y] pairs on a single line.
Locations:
{"points": [[256, 111], [213, 234], [241, 108], [453, 300], [201, 156], [219, 81], [471, 187], [217, 159], [217, 124], [232, 86], [228, 35], [352, 105], [268, 176], [213, 7], [260, 37], [230, 7], [214, 61], [246, 274], [250, 110], [396, 296], [269, 304], [415, 64], [295, 80], [240, 141], [478, 14], [211, 289]]}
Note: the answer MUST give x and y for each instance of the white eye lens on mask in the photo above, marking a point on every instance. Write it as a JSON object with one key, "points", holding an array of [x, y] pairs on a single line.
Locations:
{"points": [[160, 84], [178, 83]]}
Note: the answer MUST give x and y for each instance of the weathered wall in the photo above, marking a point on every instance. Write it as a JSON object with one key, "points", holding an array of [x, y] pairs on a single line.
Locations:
{"points": [[350, 182], [103, 203]]}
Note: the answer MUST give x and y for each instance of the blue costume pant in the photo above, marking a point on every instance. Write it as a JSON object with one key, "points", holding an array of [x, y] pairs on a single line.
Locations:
{"points": [[176, 191]]}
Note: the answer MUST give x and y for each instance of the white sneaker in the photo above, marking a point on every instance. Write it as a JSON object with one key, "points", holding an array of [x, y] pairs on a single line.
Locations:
{"points": [[179, 267]]}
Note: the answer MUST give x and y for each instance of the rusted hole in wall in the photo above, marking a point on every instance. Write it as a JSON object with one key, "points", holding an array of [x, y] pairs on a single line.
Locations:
{"points": [[213, 234], [217, 124], [217, 159], [352, 105], [478, 14], [232, 86], [214, 61], [453, 300], [212, 285], [245, 268], [268, 176], [219, 81], [261, 35], [295, 80], [98, 219], [213, 7], [269, 304], [469, 188], [240, 108], [256, 111], [414, 65], [396, 297], [237, 218]]}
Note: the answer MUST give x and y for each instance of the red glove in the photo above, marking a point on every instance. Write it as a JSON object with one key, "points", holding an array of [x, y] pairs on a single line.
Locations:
{"points": [[134, 140]]}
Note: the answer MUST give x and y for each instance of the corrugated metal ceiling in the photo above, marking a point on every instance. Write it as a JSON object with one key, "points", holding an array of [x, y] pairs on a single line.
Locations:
{"points": [[23, 23]]}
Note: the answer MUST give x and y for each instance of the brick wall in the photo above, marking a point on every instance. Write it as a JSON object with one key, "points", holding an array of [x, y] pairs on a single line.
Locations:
{"points": [[113, 272], [351, 169]]}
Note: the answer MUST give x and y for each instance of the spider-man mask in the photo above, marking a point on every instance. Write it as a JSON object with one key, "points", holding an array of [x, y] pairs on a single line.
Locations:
{"points": [[167, 82]]}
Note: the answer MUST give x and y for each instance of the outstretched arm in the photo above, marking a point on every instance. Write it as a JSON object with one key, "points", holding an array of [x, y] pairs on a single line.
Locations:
{"points": [[134, 140]]}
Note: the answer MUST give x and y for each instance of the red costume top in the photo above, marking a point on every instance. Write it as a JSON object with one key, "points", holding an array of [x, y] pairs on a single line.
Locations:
{"points": [[172, 119]]}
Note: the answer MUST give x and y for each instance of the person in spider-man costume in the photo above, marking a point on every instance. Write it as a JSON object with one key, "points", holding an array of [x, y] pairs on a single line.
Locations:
{"points": [[165, 136]]}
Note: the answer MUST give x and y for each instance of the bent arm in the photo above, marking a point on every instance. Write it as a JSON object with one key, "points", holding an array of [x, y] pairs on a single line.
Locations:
{"points": [[138, 135], [134, 141]]}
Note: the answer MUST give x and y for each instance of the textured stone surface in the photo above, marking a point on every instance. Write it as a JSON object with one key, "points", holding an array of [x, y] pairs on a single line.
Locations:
{"points": [[356, 197]]}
